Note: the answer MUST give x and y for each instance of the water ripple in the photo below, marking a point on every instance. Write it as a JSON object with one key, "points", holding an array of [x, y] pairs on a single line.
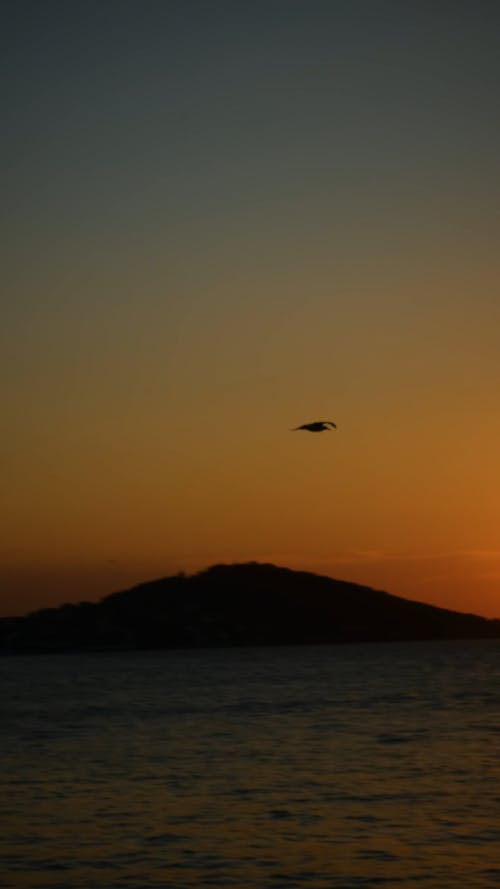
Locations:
{"points": [[325, 768]]}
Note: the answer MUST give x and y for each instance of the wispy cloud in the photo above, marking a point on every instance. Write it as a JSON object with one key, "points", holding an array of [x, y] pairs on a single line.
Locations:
{"points": [[482, 562], [380, 555]]}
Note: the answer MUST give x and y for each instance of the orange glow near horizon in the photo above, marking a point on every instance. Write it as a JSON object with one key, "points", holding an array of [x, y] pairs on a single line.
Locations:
{"points": [[119, 475]]}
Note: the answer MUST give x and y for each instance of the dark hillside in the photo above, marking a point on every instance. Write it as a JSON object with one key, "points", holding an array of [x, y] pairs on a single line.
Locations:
{"points": [[248, 604]]}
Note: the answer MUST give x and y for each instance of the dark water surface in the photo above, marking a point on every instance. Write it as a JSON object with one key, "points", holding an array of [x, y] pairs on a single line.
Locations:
{"points": [[321, 767]]}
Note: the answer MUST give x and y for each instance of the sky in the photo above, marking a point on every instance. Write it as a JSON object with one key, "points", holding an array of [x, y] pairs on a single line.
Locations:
{"points": [[224, 219]]}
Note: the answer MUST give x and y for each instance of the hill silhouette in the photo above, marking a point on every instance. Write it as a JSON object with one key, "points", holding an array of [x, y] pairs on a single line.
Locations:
{"points": [[237, 604]]}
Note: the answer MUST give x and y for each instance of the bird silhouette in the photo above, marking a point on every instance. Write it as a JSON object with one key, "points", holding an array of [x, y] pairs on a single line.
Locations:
{"points": [[318, 426]]}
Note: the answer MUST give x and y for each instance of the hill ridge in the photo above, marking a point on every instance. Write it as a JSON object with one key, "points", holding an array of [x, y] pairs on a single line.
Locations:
{"points": [[249, 603]]}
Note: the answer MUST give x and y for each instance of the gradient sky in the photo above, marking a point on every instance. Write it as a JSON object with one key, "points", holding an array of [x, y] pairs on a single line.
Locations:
{"points": [[225, 218]]}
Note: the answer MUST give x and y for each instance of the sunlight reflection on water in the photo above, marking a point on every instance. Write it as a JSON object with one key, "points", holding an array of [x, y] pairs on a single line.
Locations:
{"points": [[319, 767]]}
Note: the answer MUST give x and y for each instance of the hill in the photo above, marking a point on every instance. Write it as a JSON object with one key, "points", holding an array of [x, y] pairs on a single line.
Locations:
{"points": [[242, 604]]}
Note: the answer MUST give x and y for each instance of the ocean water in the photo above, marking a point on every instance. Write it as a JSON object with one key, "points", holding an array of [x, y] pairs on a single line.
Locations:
{"points": [[322, 767]]}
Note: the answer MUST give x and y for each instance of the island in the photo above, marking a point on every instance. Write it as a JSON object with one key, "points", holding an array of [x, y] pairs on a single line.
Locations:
{"points": [[235, 605]]}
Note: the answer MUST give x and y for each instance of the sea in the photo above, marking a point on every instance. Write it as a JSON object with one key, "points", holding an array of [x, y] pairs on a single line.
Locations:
{"points": [[342, 766]]}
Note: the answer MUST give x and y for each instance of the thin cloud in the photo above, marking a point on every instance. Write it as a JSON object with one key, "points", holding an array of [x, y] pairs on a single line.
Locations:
{"points": [[380, 557]]}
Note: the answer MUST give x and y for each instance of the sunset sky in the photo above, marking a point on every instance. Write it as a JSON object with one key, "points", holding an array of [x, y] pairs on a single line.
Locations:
{"points": [[223, 218]]}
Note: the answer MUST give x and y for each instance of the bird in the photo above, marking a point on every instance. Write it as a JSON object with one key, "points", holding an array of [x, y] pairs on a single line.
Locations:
{"points": [[317, 426]]}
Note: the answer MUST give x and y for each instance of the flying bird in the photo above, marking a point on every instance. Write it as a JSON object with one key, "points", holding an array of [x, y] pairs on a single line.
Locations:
{"points": [[318, 426]]}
